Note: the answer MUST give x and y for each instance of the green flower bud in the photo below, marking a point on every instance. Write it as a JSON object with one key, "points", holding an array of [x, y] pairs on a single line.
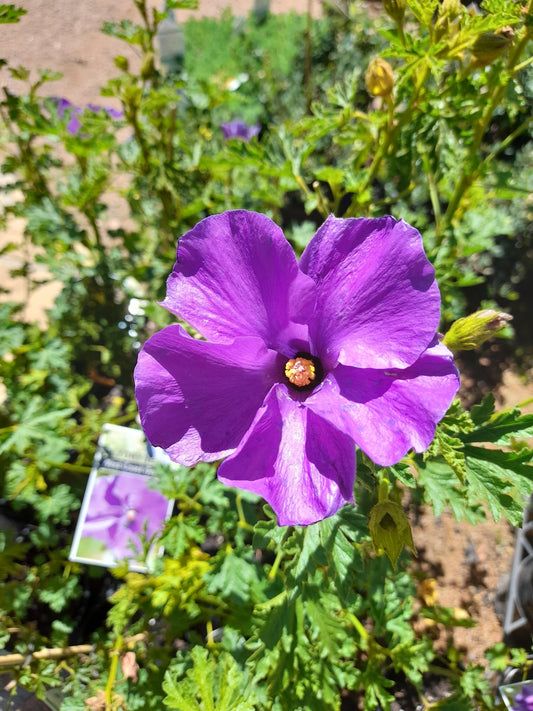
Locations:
{"points": [[447, 24], [148, 65], [451, 9], [122, 63], [470, 332], [390, 530], [395, 9], [379, 78], [491, 45]]}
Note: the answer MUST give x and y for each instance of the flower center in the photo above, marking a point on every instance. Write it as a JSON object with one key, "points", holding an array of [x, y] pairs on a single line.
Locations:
{"points": [[300, 371]]}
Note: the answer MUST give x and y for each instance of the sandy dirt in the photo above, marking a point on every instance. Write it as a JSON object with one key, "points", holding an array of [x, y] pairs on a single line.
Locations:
{"points": [[65, 36]]}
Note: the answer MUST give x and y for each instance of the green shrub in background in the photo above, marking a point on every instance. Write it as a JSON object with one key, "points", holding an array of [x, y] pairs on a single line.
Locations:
{"points": [[437, 131]]}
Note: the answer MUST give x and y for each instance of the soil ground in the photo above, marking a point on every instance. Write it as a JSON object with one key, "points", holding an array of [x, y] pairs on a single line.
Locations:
{"points": [[470, 565]]}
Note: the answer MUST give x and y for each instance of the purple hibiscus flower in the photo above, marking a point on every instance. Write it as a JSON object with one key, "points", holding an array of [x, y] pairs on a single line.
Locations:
{"points": [[239, 129], [121, 507], [301, 360]]}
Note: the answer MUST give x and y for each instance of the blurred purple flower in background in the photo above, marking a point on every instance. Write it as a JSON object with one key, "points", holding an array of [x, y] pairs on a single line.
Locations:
{"points": [[110, 111], [121, 506], [239, 129], [302, 360], [65, 108]]}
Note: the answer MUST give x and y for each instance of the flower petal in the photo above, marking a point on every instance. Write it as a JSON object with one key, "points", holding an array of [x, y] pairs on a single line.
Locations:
{"points": [[377, 299], [236, 275], [197, 399], [298, 462], [389, 412], [107, 518]]}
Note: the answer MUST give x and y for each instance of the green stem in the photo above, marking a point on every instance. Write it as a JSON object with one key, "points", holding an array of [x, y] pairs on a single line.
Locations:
{"points": [[358, 626], [243, 523], [322, 203], [386, 137], [10, 428], [401, 33], [74, 468], [508, 140], [11, 697], [274, 570], [115, 653], [435, 200], [520, 405], [96, 231], [469, 175], [308, 73], [190, 502], [523, 65], [121, 419]]}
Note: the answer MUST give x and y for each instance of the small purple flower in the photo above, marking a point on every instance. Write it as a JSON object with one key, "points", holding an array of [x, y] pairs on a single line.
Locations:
{"points": [[65, 108], [110, 111], [239, 129], [301, 360], [121, 507]]}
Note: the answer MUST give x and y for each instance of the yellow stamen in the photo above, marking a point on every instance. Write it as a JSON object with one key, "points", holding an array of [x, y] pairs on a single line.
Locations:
{"points": [[300, 371]]}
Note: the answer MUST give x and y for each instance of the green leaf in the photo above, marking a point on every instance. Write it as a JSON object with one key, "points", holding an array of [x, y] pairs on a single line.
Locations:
{"points": [[10, 13], [423, 10], [58, 505], [11, 334], [403, 472], [232, 577], [211, 684], [58, 591], [267, 534], [502, 428], [451, 449], [182, 4], [34, 426], [457, 702], [442, 489], [329, 629], [482, 412], [339, 536], [333, 176], [127, 31], [502, 479], [180, 532]]}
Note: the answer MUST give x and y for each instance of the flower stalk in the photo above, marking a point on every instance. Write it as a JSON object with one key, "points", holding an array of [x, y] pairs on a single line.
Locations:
{"points": [[113, 668]]}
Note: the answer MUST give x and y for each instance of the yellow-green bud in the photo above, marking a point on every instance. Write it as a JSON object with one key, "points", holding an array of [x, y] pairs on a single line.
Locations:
{"points": [[491, 45], [148, 65], [390, 530], [451, 9], [395, 9], [447, 25], [470, 332], [379, 78], [122, 63]]}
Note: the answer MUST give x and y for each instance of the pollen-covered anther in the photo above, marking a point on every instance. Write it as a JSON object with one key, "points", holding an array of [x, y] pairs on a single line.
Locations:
{"points": [[300, 371]]}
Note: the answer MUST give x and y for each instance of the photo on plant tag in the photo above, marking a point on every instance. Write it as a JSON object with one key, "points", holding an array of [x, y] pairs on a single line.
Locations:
{"points": [[122, 516]]}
